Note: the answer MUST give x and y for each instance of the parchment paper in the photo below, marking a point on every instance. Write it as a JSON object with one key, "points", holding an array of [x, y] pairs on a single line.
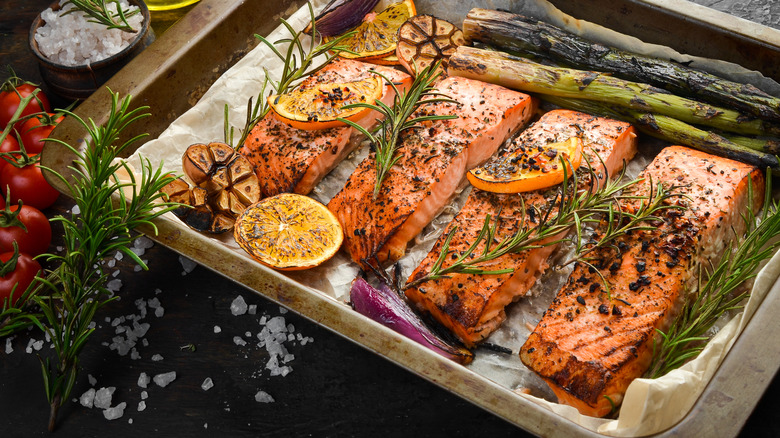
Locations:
{"points": [[650, 406]]}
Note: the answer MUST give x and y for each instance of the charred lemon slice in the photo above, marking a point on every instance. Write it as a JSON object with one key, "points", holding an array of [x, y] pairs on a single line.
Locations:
{"points": [[289, 232], [376, 36], [320, 105], [425, 39], [531, 168]]}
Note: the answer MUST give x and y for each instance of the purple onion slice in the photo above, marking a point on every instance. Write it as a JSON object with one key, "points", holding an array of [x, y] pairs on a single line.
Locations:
{"points": [[340, 16], [387, 308]]}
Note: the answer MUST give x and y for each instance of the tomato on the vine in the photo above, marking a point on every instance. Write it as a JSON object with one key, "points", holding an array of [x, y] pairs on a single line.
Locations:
{"points": [[17, 271], [28, 227], [34, 130], [11, 97], [28, 184], [8, 145]]}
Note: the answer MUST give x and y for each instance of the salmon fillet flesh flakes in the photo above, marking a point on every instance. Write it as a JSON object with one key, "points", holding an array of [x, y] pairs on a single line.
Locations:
{"points": [[472, 305], [590, 345], [433, 163], [291, 160]]}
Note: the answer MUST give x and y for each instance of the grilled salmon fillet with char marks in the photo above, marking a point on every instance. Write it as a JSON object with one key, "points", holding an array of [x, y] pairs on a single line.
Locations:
{"points": [[590, 345], [472, 305], [433, 163], [288, 159]]}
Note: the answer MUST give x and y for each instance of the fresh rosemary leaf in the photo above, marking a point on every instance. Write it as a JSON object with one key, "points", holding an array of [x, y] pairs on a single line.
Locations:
{"points": [[398, 118], [97, 11], [722, 292], [572, 208]]}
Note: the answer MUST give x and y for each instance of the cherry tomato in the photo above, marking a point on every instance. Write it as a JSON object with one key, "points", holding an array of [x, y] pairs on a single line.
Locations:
{"points": [[34, 130], [35, 240], [21, 276], [28, 184], [9, 144], [10, 101]]}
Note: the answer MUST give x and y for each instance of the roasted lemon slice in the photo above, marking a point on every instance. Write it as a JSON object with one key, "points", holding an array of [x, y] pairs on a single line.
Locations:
{"points": [[376, 36], [289, 232], [320, 105], [528, 169]]}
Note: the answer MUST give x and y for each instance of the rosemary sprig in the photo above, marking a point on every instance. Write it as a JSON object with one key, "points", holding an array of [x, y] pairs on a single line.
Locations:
{"points": [[97, 11], [722, 292], [298, 63], [397, 119], [572, 208], [71, 294]]}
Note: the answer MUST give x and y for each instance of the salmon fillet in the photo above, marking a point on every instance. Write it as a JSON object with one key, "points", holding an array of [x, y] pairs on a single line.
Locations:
{"points": [[288, 159], [472, 305], [432, 165], [590, 345]]}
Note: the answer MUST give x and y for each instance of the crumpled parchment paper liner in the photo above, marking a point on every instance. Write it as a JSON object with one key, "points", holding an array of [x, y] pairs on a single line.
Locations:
{"points": [[650, 405]]}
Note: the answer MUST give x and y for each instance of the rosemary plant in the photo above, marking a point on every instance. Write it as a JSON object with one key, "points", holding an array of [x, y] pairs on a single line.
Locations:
{"points": [[572, 208], [97, 11], [71, 293], [722, 292], [293, 71], [397, 119]]}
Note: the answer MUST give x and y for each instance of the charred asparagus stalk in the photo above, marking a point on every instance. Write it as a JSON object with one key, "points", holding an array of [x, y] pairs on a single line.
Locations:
{"points": [[523, 35], [521, 74], [677, 132]]}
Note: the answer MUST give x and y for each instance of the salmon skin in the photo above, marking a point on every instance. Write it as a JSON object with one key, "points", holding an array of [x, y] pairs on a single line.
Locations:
{"points": [[288, 159], [590, 344], [472, 305], [433, 161]]}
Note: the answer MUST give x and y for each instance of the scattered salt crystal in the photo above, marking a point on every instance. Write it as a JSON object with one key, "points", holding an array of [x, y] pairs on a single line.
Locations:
{"points": [[91, 379], [159, 312], [129, 421], [239, 341], [252, 310], [157, 291], [116, 273], [263, 320], [248, 334], [138, 251], [282, 310], [290, 337], [144, 395], [145, 342], [114, 285], [143, 242], [187, 264], [157, 357], [30, 343], [217, 329], [115, 412], [205, 425], [207, 384], [263, 397], [238, 306], [137, 268], [76, 209], [119, 255], [103, 397], [88, 398], [276, 324], [141, 405], [111, 263], [8, 348], [143, 380], [162, 380], [134, 354]]}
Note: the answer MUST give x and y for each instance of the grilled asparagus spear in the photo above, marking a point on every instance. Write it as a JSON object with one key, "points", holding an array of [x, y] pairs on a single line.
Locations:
{"points": [[522, 35], [522, 74]]}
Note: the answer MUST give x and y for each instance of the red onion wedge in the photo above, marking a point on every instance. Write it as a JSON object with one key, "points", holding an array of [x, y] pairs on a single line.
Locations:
{"points": [[387, 308], [340, 16]]}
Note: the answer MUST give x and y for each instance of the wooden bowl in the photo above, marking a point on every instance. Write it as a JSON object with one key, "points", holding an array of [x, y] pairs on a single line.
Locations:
{"points": [[79, 82]]}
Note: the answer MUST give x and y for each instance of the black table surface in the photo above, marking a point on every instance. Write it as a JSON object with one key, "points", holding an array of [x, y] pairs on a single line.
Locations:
{"points": [[335, 388]]}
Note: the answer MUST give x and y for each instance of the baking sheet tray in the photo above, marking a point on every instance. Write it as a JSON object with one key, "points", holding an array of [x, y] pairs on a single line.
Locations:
{"points": [[174, 72]]}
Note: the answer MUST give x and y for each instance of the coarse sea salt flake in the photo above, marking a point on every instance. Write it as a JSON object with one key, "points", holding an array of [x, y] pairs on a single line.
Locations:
{"points": [[8, 348], [187, 264], [103, 397], [217, 329], [143, 380], [91, 379], [238, 306], [263, 397], [239, 341], [88, 398], [207, 384], [141, 405], [162, 380], [115, 412], [157, 357]]}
